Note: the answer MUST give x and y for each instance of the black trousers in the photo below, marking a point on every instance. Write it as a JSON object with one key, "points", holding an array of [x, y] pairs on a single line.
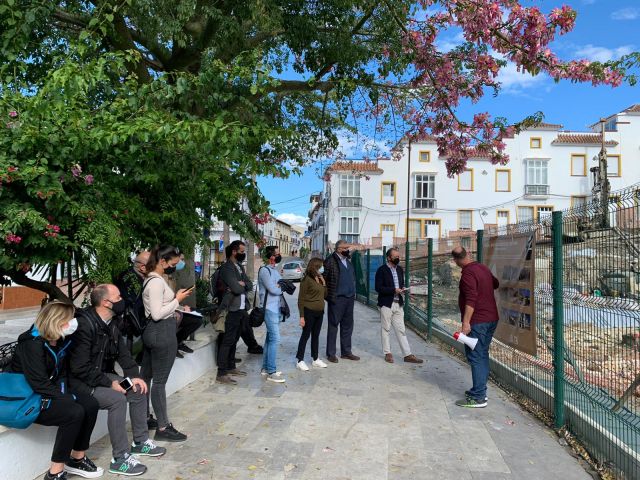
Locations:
{"points": [[246, 333], [75, 421], [312, 327], [340, 315], [188, 325], [227, 349]]}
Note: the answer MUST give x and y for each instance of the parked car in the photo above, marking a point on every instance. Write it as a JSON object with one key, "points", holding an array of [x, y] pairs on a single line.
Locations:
{"points": [[293, 270]]}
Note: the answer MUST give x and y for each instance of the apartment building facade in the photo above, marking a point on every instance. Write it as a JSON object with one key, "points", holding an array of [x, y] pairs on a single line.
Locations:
{"points": [[549, 169]]}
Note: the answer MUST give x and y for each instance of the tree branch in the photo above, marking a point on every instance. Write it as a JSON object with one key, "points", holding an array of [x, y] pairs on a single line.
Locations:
{"points": [[20, 277], [68, 18]]}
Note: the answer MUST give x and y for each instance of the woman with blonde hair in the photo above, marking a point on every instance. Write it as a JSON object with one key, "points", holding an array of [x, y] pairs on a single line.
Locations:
{"points": [[41, 356], [313, 291]]}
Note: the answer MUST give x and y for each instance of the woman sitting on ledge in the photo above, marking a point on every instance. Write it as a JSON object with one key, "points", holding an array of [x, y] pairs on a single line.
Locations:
{"points": [[40, 356]]}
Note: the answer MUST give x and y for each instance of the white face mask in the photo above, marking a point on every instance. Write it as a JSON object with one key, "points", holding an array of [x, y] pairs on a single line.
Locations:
{"points": [[321, 270], [72, 327]]}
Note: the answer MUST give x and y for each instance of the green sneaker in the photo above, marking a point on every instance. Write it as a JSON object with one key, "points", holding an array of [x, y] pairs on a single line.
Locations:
{"points": [[127, 465], [148, 449], [469, 402]]}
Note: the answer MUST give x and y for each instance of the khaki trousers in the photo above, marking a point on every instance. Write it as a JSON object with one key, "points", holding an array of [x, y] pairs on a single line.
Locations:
{"points": [[394, 317]]}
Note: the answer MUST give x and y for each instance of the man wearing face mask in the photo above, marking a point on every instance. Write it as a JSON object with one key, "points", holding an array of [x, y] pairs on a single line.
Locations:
{"points": [[340, 277], [97, 345], [391, 294], [237, 286], [129, 283]]}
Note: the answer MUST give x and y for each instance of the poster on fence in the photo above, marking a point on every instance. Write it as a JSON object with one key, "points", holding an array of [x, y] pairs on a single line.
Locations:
{"points": [[511, 258]]}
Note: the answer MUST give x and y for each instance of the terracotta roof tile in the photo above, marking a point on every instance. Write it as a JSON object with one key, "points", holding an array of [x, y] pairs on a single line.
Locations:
{"points": [[371, 167], [581, 139], [546, 126], [633, 108]]}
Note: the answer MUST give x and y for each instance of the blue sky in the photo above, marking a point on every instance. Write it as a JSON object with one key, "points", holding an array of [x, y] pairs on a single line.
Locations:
{"points": [[605, 29]]}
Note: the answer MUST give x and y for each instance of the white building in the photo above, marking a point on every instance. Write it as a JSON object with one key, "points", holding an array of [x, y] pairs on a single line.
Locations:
{"points": [[549, 169]]}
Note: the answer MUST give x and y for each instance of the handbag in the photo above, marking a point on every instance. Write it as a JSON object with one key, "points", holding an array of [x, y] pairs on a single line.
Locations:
{"points": [[256, 315], [19, 404]]}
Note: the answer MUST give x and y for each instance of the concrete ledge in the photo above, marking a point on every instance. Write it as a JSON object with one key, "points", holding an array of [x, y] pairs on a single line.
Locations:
{"points": [[28, 452]]}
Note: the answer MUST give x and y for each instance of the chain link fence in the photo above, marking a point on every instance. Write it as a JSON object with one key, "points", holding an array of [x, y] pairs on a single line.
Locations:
{"points": [[585, 294]]}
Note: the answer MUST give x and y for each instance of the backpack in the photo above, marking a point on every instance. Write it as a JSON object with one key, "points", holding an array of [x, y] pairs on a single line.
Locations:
{"points": [[133, 323], [216, 285]]}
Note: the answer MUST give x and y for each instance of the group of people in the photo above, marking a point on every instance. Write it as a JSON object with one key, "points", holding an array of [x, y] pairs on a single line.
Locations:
{"points": [[69, 354], [69, 358]]}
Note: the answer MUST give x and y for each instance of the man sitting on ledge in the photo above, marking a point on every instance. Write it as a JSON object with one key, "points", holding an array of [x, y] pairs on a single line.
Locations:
{"points": [[98, 344]]}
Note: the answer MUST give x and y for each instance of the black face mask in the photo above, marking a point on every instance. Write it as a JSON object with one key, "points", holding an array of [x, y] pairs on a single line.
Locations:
{"points": [[240, 257], [278, 258], [169, 270], [346, 254], [395, 261], [118, 307]]}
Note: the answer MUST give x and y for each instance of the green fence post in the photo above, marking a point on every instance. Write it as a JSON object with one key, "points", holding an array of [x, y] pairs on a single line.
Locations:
{"points": [[429, 286], [384, 254], [407, 247], [558, 322], [480, 243], [368, 275]]}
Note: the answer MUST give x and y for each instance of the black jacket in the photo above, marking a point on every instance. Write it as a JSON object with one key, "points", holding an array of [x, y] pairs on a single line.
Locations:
{"points": [[332, 275], [94, 352], [43, 365], [385, 287], [231, 277]]}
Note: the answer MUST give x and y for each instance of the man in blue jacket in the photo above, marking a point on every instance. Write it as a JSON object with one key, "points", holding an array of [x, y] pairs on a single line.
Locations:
{"points": [[391, 291]]}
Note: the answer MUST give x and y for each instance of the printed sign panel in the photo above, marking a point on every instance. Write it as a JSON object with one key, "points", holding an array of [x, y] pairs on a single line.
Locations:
{"points": [[512, 259]]}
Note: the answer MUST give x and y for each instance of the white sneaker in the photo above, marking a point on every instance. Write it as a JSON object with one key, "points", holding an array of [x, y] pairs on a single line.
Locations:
{"points": [[264, 373], [319, 364], [276, 377], [302, 366]]}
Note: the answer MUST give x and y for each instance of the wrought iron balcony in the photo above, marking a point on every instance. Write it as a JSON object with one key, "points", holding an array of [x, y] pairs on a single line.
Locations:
{"points": [[350, 201], [424, 203], [536, 189]]}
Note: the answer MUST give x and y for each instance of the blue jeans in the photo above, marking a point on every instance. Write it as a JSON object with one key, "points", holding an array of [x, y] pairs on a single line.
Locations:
{"points": [[479, 358], [272, 321]]}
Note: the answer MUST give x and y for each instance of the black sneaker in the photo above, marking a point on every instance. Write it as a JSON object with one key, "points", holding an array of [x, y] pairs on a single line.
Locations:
{"points": [[127, 465], [152, 423], [84, 468], [185, 348], [257, 350], [179, 354], [170, 434], [58, 476]]}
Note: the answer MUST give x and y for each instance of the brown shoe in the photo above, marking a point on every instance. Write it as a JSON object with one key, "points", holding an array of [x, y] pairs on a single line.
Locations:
{"points": [[237, 373], [333, 359], [388, 358], [226, 379], [413, 359], [350, 356]]}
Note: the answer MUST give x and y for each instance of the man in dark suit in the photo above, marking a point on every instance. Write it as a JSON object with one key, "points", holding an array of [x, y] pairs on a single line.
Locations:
{"points": [[340, 277], [391, 291]]}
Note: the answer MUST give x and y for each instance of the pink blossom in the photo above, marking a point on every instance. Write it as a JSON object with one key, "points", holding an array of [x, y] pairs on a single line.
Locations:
{"points": [[11, 238], [88, 179], [76, 170], [13, 114]]}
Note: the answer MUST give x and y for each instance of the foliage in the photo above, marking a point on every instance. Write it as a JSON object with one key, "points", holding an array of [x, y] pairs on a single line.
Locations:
{"points": [[129, 122]]}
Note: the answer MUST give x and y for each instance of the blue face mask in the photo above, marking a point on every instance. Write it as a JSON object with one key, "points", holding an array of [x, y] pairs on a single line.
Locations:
{"points": [[180, 265], [321, 270]]}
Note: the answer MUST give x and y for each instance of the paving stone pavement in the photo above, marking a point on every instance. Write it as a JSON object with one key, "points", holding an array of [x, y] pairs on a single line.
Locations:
{"points": [[366, 420]]}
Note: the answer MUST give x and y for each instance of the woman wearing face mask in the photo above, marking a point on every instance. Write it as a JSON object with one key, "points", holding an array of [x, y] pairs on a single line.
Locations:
{"points": [[313, 292], [41, 356], [159, 338]]}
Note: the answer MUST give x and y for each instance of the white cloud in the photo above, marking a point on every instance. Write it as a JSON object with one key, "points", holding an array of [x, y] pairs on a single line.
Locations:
{"points": [[292, 219], [604, 54], [356, 146], [629, 13], [447, 44], [514, 81]]}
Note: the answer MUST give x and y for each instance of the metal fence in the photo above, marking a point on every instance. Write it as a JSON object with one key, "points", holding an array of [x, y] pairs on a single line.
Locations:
{"points": [[586, 370]]}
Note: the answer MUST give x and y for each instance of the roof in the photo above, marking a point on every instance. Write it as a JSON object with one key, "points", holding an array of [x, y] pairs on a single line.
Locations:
{"points": [[581, 139], [633, 108], [355, 166], [476, 153], [426, 138], [545, 126]]}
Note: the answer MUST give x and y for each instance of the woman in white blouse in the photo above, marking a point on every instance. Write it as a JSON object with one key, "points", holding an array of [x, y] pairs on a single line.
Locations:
{"points": [[159, 337]]}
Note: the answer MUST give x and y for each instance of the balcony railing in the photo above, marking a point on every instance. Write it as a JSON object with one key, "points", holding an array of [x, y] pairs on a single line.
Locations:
{"points": [[536, 189], [424, 203], [350, 201]]}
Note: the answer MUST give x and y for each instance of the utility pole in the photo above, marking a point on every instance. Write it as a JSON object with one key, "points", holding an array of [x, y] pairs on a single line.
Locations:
{"points": [[601, 185], [250, 243], [408, 193]]}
